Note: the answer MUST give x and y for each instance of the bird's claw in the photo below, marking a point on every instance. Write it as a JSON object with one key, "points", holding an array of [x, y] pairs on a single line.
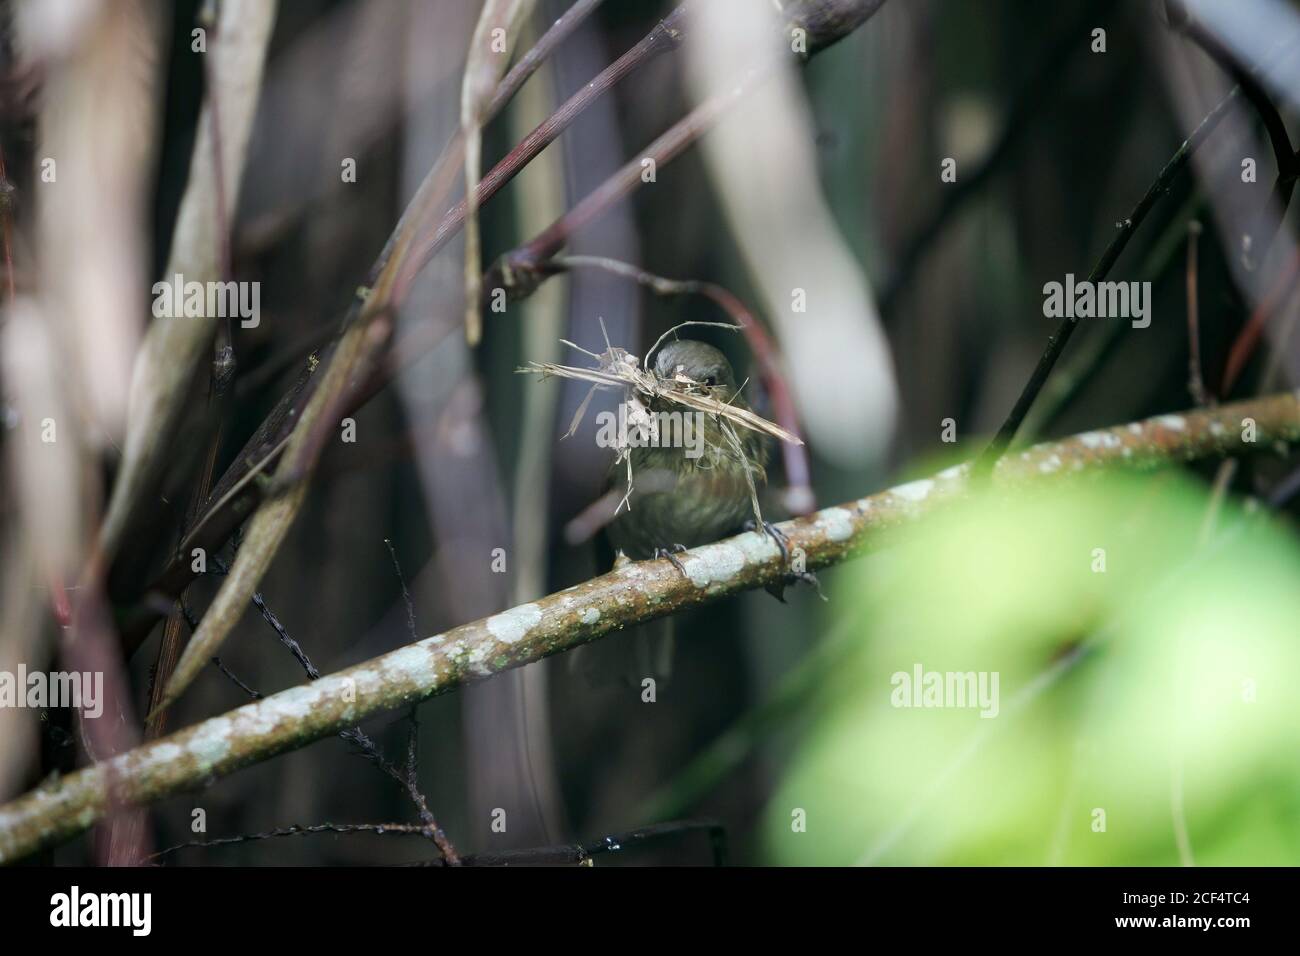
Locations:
{"points": [[776, 534], [807, 577], [671, 554], [777, 588]]}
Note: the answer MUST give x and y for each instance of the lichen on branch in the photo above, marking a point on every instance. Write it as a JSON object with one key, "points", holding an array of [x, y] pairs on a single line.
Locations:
{"points": [[635, 593]]}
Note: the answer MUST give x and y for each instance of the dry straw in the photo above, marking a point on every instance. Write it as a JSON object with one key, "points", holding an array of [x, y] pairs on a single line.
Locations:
{"points": [[620, 369]]}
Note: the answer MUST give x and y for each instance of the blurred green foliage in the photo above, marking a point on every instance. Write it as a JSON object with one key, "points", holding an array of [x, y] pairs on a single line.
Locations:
{"points": [[1162, 681]]}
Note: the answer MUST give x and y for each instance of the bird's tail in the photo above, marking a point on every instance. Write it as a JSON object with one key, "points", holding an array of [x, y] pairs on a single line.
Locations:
{"points": [[645, 651]]}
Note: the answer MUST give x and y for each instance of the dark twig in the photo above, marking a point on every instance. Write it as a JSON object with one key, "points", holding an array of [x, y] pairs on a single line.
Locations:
{"points": [[406, 594], [402, 829], [412, 778], [583, 854], [1058, 340], [281, 632], [234, 679], [407, 779], [570, 854]]}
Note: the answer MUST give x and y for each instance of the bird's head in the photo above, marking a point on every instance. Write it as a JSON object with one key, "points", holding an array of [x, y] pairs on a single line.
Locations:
{"points": [[699, 362]]}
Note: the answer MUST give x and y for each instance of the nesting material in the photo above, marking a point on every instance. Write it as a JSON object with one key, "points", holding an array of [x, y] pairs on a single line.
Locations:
{"points": [[619, 369]]}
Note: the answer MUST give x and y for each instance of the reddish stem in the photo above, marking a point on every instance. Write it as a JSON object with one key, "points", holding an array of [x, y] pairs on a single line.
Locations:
{"points": [[1247, 340]]}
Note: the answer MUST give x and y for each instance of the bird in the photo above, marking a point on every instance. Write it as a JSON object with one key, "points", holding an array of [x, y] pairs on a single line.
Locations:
{"points": [[680, 500]]}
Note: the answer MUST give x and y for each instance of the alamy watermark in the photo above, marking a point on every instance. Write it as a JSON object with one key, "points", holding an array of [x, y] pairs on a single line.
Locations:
{"points": [[133, 911], [211, 300], [946, 690], [636, 426], [1100, 300], [56, 689]]}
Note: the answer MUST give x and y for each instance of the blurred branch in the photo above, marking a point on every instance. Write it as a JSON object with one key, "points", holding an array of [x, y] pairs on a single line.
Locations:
{"points": [[221, 375], [825, 22], [664, 36], [410, 247], [173, 348], [366, 333], [1195, 375], [638, 592], [523, 761], [1288, 161], [483, 68], [6, 201], [519, 271], [1043, 83]]}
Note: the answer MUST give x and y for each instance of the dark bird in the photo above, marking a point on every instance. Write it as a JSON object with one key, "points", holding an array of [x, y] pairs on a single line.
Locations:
{"points": [[681, 498]]}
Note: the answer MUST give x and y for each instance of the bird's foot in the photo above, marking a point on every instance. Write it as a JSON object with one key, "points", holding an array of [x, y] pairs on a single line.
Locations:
{"points": [[777, 588], [810, 579], [671, 554], [776, 534]]}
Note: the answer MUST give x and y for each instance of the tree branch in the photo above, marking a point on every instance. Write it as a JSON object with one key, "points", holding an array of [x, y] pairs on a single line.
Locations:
{"points": [[636, 593]]}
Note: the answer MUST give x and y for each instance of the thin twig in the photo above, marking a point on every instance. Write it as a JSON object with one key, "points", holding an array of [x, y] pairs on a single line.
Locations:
{"points": [[574, 854], [397, 829], [1247, 340], [6, 206], [406, 594], [355, 735], [1058, 340]]}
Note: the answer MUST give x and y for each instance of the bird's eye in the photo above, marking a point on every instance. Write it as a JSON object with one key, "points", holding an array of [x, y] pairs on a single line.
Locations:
{"points": [[710, 380]]}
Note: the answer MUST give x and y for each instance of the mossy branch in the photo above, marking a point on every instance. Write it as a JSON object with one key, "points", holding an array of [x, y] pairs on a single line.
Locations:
{"points": [[190, 758]]}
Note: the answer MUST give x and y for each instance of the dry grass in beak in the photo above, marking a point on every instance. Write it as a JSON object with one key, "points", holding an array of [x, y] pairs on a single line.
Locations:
{"points": [[620, 369]]}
